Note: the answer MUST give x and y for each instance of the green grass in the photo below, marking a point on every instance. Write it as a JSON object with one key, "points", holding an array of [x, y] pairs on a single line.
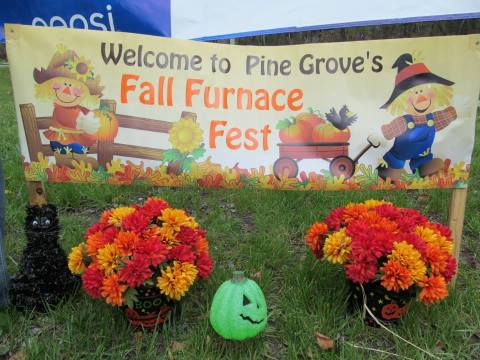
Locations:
{"points": [[260, 232]]}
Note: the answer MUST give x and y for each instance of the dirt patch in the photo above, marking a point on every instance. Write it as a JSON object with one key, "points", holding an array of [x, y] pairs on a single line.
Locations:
{"points": [[470, 258]]}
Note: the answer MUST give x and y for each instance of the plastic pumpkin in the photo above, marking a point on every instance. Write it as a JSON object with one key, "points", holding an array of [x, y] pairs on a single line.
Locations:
{"points": [[108, 125], [239, 310]]}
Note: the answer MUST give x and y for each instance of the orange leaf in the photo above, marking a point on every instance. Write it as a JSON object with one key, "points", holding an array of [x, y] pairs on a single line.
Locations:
{"points": [[324, 341]]}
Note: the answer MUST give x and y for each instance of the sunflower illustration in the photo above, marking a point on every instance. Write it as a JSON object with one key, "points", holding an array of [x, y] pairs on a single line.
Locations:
{"points": [[82, 68], [185, 136]]}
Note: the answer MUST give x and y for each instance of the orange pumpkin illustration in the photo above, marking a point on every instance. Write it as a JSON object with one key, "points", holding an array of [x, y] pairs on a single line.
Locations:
{"points": [[108, 125], [393, 311]]}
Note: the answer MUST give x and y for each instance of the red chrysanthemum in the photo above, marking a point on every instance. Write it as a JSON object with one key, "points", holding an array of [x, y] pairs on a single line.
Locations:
{"points": [[366, 246], [361, 272], [410, 218], [182, 253], [109, 234], [186, 235], [93, 229], [334, 219], [152, 249], [204, 264], [136, 221], [135, 271], [92, 280], [153, 206], [450, 269], [388, 211]]}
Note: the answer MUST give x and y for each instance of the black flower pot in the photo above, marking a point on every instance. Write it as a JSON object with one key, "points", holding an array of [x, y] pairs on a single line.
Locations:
{"points": [[151, 309], [386, 306]]}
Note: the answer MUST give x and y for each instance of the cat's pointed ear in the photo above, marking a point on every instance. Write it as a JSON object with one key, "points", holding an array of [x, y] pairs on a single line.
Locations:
{"points": [[51, 207], [31, 210], [50, 210]]}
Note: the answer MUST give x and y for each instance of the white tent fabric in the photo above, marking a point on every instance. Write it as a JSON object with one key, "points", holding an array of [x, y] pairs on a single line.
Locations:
{"points": [[214, 19]]}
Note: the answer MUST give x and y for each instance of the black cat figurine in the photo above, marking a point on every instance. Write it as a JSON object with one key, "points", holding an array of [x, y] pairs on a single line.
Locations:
{"points": [[43, 277]]}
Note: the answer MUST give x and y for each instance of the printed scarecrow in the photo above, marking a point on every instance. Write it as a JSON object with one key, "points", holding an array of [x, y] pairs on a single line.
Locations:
{"points": [[423, 101], [69, 81]]}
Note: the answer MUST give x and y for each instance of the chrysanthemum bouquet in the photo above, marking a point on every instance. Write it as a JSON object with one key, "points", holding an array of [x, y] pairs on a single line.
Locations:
{"points": [[398, 247], [137, 247]]}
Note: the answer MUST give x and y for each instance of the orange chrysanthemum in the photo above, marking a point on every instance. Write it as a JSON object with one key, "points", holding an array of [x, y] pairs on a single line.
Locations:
{"points": [[105, 216], [353, 211], [410, 258], [126, 242], [434, 289], [151, 231], [337, 247], [200, 246], [437, 258], [314, 237], [94, 242], [395, 276], [375, 220], [112, 290]]}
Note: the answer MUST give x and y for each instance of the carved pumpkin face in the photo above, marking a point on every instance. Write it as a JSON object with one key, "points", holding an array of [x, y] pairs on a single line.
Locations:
{"points": [[393, 311], [239, 310]]}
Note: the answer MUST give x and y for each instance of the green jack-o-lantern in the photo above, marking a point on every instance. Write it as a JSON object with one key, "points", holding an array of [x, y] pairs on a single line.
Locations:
{"points": [[239, 310]]}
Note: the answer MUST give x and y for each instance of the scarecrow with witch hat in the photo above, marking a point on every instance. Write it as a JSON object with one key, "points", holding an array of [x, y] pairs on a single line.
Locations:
{"points": [[69, 81], [422, 99]]}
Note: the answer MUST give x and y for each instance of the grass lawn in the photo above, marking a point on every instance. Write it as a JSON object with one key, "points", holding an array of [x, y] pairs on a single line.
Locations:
{"points": [[260, 232]]}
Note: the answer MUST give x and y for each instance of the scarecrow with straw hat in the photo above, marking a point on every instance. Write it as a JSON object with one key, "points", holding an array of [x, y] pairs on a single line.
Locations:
{"points": [[422, 99], [70, 82]]}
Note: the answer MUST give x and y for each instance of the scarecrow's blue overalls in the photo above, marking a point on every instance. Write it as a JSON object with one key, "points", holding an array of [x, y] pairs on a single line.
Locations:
{"points": [[414, 145]]}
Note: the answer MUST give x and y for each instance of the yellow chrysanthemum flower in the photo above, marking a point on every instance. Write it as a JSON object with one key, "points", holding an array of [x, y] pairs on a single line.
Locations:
{"points": [[175, 280], [370, 204], [337, 247], [432, 238], [185, 135], [108, 258], [118, 214], [167, 234], [75, 259], [176, 218], [410, 258]]}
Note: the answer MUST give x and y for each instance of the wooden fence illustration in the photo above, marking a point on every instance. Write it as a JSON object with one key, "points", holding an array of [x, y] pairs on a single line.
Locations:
{"points": [[105, 150]]}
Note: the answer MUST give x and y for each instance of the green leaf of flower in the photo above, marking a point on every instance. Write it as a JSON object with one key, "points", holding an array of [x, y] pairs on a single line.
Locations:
{"points": [[130, 297], [172, 155], [198, 152]]}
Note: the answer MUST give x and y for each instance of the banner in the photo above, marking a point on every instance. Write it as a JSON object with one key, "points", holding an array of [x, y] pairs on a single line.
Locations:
{"points": [[215, 19], [122, 108]]}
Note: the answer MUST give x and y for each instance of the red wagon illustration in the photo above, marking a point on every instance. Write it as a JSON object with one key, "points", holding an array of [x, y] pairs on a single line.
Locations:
{"points": [[336, 153]]}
